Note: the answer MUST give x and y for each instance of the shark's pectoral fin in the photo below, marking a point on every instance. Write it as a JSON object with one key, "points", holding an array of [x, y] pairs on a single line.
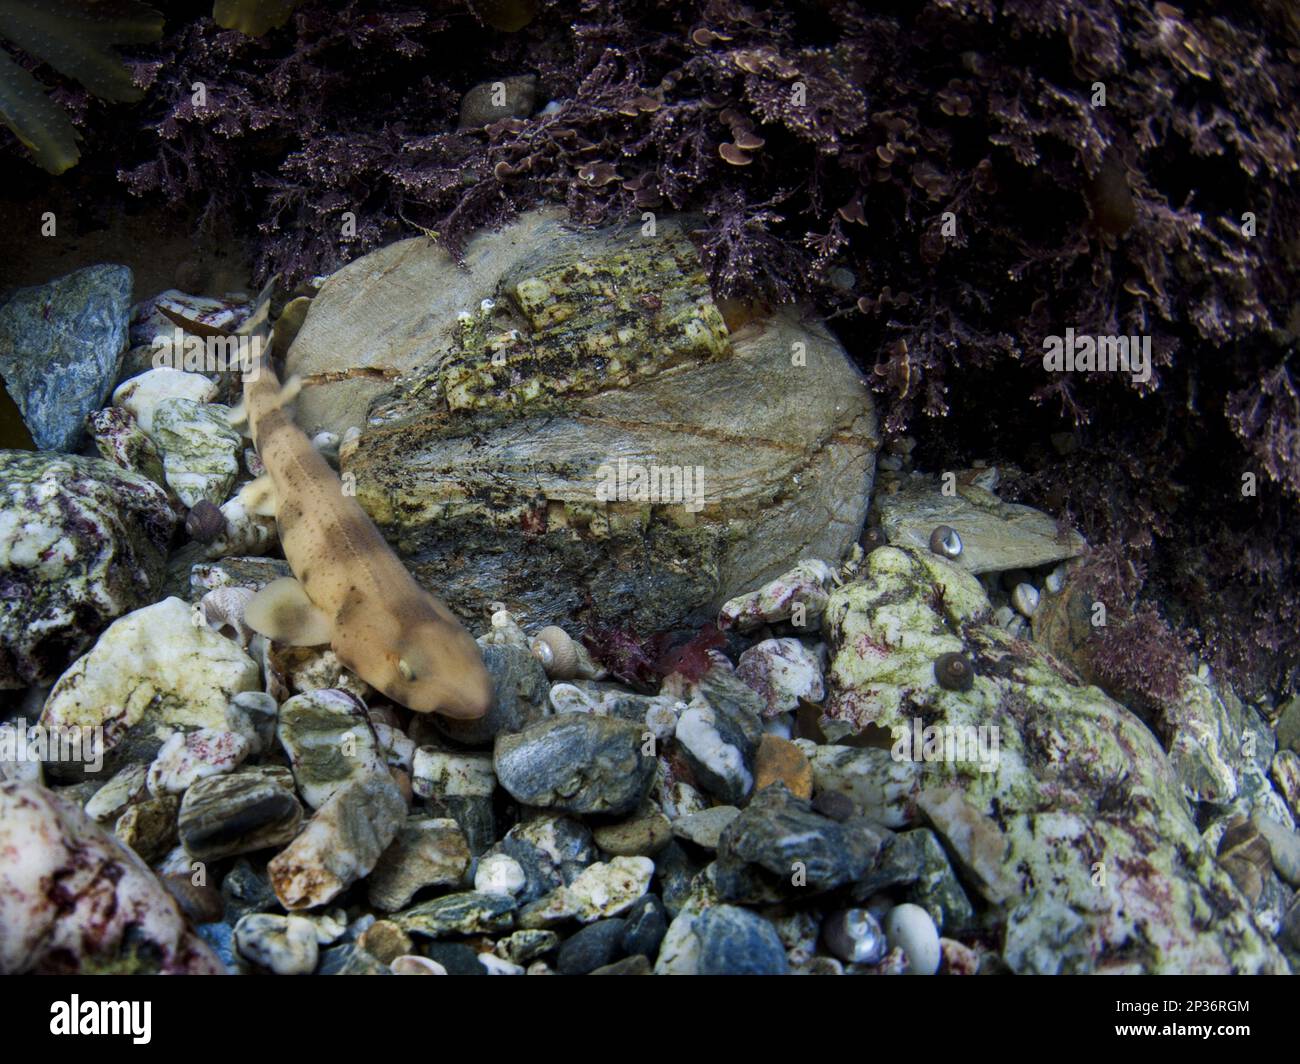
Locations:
{"points": [[258, 496], [283, 612]]}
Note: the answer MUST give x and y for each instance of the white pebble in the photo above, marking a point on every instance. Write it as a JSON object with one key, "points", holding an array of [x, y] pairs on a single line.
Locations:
{"points": [[499, 873], [411, 964], [1025, 599], [910, 928], [1055, 580], [496, 966]]}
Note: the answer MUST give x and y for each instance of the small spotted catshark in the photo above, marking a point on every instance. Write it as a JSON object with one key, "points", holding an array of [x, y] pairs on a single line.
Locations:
{"points": [[348, 589]]}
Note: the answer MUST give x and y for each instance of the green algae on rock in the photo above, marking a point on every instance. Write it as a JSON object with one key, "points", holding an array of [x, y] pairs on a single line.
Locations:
{"points": [[82, 541], [1109, 870], [589, 437]]}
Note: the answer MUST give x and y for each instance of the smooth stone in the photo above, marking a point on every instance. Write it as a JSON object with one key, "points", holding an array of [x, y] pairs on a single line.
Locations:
{"points": [[592, 947], [735, 941], [576, 763], [74, 900], [778, 847], [499, 966], [427, 852], [911, 929], [341, 843], [385, 941], [442, 773], [499, 873], [646, 924], [1283, 845], [141, 396], [642, 836], [285, 944], [552, 851], [977, 842], [798, 596], [61, 347], [151, 670], [705, 828], [330, 742], [149, 827], [248, 810], [720, 744], [82, 542], [468, 913], [456, 957], [126, 786]]}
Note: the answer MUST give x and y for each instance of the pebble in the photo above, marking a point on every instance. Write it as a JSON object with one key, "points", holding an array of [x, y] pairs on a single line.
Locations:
{"points": [[385, 941], [142, 395], [498, 966], [1283, 845], [854, 935], [412, 964], [149, 827], [150, 672], [467, 913], [911, 929], [109, 913], [285, 944], [521, 698], [591, 947], [187, 757], [499, 873], [1025, 599], [806, 585], [200, 451], [607, 889], [442, 773], [720, 747], [576, 763], [427, 852], [247, 889], [705, 828], [735, 941], [525, 946], [781, 761], [125, 787], [646, 924], [341, 843], [330, 742], [779, 847], [642, 836], [247, 810], [455, 958], [782, 671]]}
